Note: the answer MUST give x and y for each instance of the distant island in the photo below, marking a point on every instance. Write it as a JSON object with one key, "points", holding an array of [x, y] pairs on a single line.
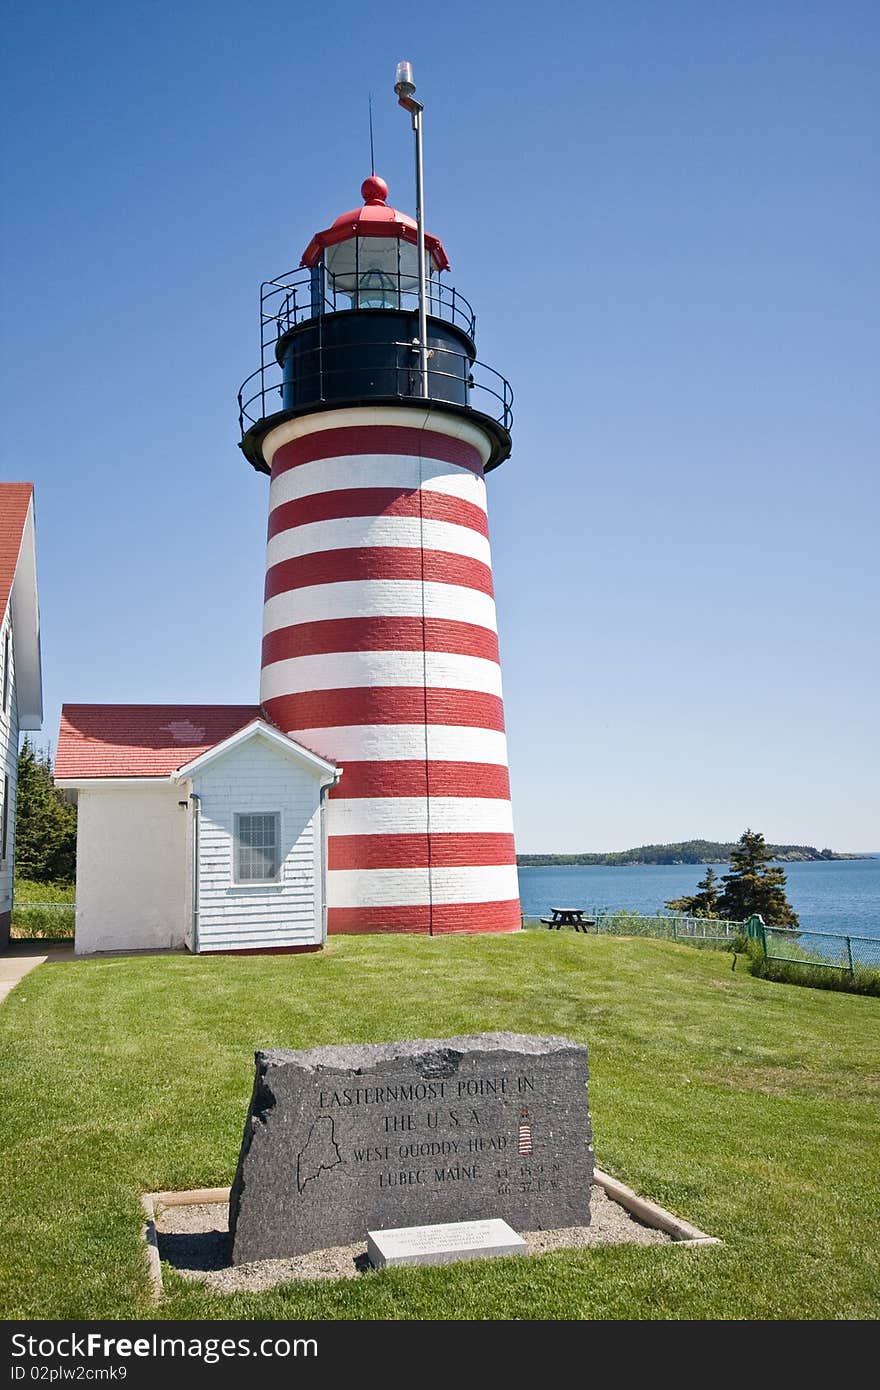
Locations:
{"points": [[688, 852]]}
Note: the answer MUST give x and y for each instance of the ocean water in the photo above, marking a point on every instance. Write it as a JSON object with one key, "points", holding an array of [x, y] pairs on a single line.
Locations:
{"points": [[828, 895]]}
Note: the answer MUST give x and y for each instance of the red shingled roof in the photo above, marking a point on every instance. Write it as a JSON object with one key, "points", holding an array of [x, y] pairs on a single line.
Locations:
{"points": [[142, 740], [14, 502]]}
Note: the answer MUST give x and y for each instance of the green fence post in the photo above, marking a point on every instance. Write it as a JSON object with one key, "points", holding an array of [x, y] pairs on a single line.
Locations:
{"points": [[674, 928], [852, 969], [755, 929]]}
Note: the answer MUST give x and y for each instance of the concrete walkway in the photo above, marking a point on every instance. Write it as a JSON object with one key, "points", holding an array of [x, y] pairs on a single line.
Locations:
{"points": [[19, 959]]}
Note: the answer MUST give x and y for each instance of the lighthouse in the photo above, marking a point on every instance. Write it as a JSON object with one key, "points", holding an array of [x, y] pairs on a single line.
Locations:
{"points": [[380, 643]]}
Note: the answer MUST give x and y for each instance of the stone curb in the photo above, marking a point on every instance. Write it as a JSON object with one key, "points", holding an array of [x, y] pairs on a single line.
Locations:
{"points": [[152, 1203], [682, 1232]]}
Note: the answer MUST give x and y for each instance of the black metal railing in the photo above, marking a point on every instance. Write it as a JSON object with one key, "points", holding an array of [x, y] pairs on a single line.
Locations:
{"points": [[453, 377], [300, 295]]}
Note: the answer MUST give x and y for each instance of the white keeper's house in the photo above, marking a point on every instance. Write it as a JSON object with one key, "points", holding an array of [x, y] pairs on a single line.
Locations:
{"points": [[198, 826], [21, 690], [223, 828]]}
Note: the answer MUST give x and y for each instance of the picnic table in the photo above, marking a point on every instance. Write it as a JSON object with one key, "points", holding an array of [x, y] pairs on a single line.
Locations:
{"points": [[568, 917]]}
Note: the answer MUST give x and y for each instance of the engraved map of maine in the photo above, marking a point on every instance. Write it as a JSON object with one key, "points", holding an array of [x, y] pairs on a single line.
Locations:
{"points": [[320, 1153]]}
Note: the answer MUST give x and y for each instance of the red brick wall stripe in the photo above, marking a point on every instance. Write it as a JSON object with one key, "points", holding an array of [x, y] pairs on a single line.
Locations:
{"points": [[446, 850], [374, 502], [409, 777], [404, 704], [376, 439], [380, 635], [441, 918], [377, 562]]}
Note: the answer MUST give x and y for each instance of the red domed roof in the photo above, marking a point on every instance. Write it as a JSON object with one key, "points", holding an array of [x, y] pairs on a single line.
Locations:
{"points": [[375, 218]]}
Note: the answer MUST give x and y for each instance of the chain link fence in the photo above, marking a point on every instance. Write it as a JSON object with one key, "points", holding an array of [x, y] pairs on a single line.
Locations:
{"points": [[50, 921], [603, 921], [822, 950], [850, 962]]}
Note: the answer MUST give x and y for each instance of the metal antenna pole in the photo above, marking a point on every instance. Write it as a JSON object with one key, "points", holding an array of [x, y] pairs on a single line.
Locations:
{"points": [[372, 151], [405, 88], [423, 278]]}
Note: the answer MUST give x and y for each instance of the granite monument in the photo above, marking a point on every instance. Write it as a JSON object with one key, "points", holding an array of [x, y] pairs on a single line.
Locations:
{"points": [[342, 1140]]}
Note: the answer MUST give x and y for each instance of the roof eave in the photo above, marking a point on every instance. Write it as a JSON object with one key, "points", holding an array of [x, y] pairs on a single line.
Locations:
{"points": [[25, 607], [334, 235], [82, 782]]}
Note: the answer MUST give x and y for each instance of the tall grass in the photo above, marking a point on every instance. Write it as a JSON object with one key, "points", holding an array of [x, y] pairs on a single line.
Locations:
{"points": [[43, 911], [27, 890], [801, 966]]}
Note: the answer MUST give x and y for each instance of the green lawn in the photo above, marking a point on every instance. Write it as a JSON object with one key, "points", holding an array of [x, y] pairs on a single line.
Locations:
{"points": [[749, 1107]]}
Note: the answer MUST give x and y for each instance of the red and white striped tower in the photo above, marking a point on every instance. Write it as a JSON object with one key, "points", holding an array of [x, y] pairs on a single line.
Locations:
{"points": [[380, 644]]}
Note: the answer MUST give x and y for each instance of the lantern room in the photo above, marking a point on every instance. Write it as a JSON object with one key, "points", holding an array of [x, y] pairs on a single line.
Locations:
{"points": [[343, 330], [370, 257]]}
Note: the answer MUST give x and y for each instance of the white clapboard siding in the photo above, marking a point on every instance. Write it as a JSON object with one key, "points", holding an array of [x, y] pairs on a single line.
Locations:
{"points": [[232, 917], [9, 768]]}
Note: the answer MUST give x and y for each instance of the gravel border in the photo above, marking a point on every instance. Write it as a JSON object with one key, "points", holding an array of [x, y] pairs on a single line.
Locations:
{"points": [[193, 1240]]}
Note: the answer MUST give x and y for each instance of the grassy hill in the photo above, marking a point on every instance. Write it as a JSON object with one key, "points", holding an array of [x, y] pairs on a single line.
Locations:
{"points": [[746, 1106]]}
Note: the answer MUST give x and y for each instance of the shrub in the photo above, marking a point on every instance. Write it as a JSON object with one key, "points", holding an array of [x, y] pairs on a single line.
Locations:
{"points": [[27, 890]]}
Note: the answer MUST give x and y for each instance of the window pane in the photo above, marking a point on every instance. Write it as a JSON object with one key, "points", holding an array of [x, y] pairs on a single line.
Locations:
{"points": [[257, 847]]}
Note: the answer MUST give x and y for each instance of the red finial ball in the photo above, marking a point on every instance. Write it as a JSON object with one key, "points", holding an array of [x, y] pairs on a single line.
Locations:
{"points": [[374, 189]]}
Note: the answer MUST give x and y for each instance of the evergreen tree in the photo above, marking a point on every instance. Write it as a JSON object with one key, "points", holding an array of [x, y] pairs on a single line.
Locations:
{"points": [[755, 885], [704, 902], [45, 824]]}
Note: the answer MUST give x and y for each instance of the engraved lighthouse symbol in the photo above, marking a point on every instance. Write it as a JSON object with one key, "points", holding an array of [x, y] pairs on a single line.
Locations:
{"points": [[525, 1133], [380, 646]]}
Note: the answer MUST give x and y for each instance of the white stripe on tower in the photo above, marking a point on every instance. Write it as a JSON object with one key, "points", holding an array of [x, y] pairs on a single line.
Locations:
{"points": [[349, 532], [338, 670], [380, 650], [365, 815], [391, 743], [378, 598]]}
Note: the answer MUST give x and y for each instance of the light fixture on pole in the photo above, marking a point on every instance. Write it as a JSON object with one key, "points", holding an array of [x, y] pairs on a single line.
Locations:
{"points": [[405, 88]]}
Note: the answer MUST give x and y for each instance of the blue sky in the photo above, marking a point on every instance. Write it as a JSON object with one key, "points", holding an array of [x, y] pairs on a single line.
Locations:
{"points": [[667, 219]]}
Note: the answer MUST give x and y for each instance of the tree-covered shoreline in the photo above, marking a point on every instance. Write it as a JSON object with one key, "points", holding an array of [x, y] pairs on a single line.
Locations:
{"points": [[686, 852], [754, 885]]}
